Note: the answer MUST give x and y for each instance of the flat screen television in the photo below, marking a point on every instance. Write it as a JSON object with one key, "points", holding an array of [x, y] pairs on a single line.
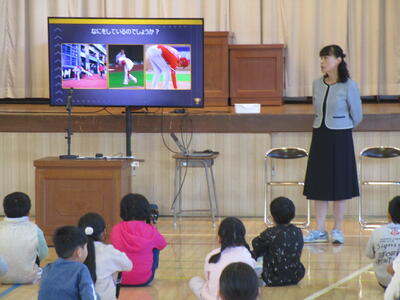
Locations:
{"points": [[126, 62]]}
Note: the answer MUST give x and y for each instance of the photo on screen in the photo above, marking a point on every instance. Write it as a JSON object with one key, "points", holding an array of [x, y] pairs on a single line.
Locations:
{"points": [[168, 67], [125, 66], [84, 66]]}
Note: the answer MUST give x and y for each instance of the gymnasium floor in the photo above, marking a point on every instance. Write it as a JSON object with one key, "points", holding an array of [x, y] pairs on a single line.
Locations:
{"points": [[332, 272]]}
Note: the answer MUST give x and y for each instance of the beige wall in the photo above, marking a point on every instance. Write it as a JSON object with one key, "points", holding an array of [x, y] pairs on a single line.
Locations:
{"points": [[239, 169]]}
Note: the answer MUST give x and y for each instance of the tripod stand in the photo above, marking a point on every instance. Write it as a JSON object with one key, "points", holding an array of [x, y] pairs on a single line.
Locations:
{"points": [[69, 127]]}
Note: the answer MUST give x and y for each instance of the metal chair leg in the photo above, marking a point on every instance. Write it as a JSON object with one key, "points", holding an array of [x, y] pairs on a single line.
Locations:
{"points": [[360, 204], [174, 208], [209, 193], [177, 208], [308, 213], [214, 188], [267, 195]]}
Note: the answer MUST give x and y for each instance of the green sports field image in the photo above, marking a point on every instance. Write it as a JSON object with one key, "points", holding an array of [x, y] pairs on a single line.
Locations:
{"points": [[183, 80], [179, 77], [117, 78]]}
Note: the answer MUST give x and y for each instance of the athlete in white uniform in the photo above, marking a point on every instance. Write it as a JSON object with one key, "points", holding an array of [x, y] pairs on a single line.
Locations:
{"points": [[78, 70], [122, 60]]}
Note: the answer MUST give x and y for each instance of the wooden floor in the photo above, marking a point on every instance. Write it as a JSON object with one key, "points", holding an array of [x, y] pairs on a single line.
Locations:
{"points": [[332, 272]]}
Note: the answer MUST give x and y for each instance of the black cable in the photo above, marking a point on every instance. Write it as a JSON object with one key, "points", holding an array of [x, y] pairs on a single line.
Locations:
{"points": [[162, 134], [110, 113], [202, 112], [50, 112], [156, 111], [186, 144], [178, 193]]}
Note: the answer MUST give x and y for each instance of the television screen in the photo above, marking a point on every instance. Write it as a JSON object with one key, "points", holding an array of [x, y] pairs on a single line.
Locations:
{"points": [[126, 62]]}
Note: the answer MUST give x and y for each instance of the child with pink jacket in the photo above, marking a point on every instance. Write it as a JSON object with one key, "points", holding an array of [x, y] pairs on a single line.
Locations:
{"points": [[140, 240]]}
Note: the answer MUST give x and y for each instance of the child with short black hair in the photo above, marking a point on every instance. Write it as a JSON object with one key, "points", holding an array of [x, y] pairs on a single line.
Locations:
{"points": [[234, 248], [22, 243], [67, 277], [384, 243], [238, 281], [103, 261], [281, 246], [140, 240]]}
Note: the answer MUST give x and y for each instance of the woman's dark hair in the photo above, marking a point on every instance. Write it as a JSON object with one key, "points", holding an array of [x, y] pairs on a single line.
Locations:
{"points": [[394, 209], [135, 207], [282, 210], [93, 225], [231, 233], [336, 51], [238, 281]]}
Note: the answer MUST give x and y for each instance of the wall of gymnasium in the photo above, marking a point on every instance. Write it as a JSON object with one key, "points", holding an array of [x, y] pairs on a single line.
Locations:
{"points": [[239, 170]]}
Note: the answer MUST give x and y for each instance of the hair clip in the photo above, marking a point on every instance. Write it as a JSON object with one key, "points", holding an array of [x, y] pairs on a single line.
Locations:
{"points": [[89, 230]]}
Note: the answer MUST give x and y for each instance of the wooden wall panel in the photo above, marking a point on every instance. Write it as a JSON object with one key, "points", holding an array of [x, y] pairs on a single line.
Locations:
{"points": [[216, 69], [239, 169], [256, 74]]}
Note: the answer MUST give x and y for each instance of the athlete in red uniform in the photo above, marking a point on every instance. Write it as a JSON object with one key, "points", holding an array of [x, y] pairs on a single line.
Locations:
{"points": [[164, 60]]}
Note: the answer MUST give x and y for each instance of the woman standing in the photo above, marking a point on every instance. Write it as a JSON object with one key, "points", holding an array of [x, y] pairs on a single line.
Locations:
{"points": [[331, 174]]}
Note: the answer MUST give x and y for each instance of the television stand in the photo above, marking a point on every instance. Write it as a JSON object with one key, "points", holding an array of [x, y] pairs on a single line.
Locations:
{"points": [[128, 130]]}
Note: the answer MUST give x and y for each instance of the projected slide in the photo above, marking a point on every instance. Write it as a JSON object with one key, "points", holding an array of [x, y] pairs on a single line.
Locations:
{"points": [[126, 62]]}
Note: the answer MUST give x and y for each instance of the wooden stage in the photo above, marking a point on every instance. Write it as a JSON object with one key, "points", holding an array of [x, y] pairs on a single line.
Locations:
{"points": [[332, 272], [285, 118]]}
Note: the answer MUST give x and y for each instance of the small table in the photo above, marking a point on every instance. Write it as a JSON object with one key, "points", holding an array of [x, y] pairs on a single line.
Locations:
{"points": [[193, 161]]}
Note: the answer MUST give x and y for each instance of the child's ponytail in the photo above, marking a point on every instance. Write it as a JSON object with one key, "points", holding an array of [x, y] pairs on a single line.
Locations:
{"points": [[94, 226], [90, 260]]}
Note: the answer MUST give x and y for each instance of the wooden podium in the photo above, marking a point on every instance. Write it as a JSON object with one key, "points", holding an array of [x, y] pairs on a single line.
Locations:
{"points": [[67, 189]]}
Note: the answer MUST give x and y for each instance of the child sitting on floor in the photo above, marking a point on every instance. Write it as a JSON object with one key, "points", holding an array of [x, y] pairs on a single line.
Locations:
{"points": [[281, 246], [103, 261], [234, 248], [140, 240], [392, 292], [22, 243], [238, 281], [68, 278], [384, 244]]}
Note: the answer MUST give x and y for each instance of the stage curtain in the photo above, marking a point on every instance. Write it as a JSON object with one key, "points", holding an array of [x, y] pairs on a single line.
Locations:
{"points": [[368, 31], [304, 27], [374, 45]]}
